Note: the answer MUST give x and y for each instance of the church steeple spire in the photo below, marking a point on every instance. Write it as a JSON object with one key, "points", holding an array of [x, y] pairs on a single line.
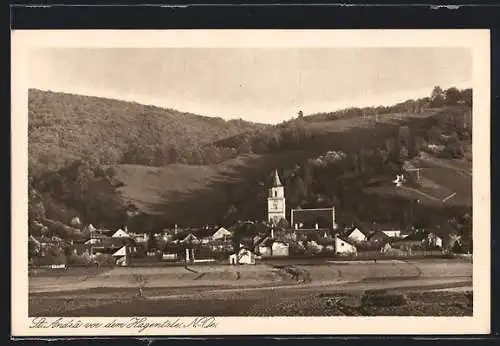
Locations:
{"points": [[276, 179], [276, 207]]}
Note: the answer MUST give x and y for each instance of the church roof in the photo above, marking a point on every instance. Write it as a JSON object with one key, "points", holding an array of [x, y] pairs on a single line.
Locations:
{"points": [[276, 179], [308, 218]]}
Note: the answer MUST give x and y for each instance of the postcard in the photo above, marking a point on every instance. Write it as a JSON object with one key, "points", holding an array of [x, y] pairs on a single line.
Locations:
{"points": [[240, 182]]}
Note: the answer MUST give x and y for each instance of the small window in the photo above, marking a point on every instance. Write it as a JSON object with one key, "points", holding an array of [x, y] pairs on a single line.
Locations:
{"points": [[341, 244], [275, 193]]}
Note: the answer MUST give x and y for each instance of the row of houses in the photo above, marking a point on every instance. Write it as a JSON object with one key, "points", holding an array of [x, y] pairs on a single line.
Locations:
{"points": [[395, 238], [205, 243]]}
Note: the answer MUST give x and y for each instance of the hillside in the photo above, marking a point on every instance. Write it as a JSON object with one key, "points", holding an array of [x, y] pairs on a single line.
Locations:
{"points": [[443, 183], [195, 195], [187, 194], [112, 157], [64, 127]]}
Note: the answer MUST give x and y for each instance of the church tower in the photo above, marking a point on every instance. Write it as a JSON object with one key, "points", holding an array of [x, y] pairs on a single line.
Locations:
{"points": [[276, 201]]}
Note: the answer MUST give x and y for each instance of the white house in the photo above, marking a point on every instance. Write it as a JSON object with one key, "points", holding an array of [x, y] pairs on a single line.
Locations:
{"points": [[392, 233], [280, 249], [356, 235], [191, 238], [342, 246], [221, 233], [434, 240], [122, 256], [265, 250], [120, 234], [141, 237], [92, 241], [399, 180], [386, 248], [244, 256]]}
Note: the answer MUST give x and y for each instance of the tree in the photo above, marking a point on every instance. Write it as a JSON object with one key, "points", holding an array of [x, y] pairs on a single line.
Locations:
{"points": [[437, 97], [452, 96], [466, 96], [245, 146], [283, 224], [152, 243], [298, 191], [231, 215], [36, 208]]}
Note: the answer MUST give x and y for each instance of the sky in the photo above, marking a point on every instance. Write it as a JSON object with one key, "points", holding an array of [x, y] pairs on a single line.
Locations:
{"points": [[256, 84]]}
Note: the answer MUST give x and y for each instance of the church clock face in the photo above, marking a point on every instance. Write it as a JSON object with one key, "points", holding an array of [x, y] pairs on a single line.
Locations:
{"points": [[275, 206]]}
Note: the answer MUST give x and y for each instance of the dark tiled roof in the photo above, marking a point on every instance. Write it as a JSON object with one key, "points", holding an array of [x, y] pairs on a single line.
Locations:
{"points": [[418, 236], [379, 235], [310, 217]]}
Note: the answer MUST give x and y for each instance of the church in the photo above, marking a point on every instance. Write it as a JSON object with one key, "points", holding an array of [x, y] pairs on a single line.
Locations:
{"points": [[320, 219]]}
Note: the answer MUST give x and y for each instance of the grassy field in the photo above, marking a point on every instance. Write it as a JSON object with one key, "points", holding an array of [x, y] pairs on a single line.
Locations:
{"points": [[272, 303], [440, 179], [197, 194], [236, 290], [202, 194]]}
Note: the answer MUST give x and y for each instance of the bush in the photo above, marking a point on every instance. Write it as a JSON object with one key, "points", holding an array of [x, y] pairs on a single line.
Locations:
{"points": [[79, 259], [104, 259], [48, 260], [375, 291], [453, 151]]}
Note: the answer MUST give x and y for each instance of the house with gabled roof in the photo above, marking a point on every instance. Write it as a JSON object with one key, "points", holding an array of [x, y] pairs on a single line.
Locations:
{"points": [[120, 234], [111, 245], [190, 238], [122, 256], [378, 237], [421, 238], [221, 233], [244, 256], [344, 246], [280, 248], [356, 235]]}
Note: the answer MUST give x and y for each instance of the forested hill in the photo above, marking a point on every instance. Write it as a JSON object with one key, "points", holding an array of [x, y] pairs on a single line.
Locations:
{"points": [[104, 160], [64, 127]]}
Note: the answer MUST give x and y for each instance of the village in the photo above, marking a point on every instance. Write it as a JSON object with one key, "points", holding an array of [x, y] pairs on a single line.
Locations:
{"points": [[309, 233], [249, 181]]}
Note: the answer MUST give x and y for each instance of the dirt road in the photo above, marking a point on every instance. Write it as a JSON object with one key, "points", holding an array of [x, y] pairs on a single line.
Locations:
{"points": [[230, 290]]}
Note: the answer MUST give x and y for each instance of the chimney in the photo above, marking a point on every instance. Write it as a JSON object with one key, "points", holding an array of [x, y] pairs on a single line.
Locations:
{"points": [[316, 226]]}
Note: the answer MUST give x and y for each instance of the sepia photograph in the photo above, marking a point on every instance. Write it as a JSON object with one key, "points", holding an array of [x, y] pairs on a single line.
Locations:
{"points": [[246, 180]]}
